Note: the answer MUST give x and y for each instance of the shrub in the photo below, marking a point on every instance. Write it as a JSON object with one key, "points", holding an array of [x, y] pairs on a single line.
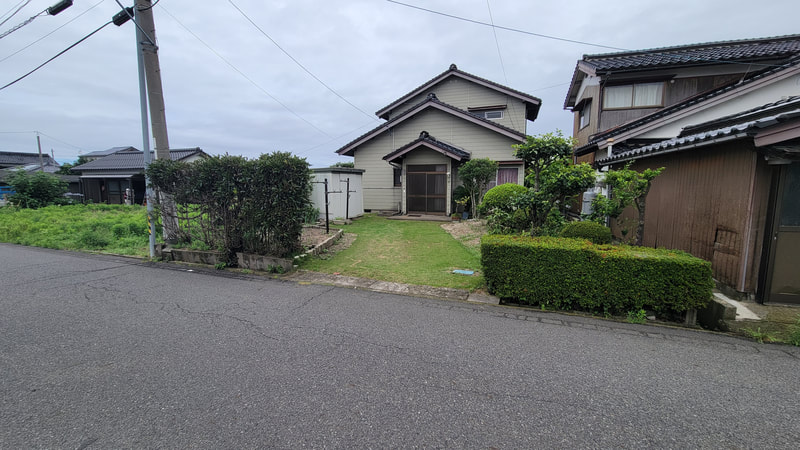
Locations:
{"points": [[239, 205], [594, 232], [37, 190], [499, 197], [576, 274]]}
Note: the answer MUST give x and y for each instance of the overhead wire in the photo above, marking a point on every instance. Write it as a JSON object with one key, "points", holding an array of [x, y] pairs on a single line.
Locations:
{"points": [[54, 30], [15, 12], [545, 36], [502, 65], [57, 55], [232, 66], [371, 116], [20, 25]]}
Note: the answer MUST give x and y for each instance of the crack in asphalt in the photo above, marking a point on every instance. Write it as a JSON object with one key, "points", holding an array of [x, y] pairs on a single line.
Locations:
{"points": [[217, 315]]}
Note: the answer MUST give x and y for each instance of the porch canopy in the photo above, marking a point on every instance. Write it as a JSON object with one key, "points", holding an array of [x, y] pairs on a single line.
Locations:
{"points": [[425, 140]]}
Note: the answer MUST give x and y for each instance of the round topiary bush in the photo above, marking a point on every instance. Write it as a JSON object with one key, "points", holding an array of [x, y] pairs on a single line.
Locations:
{"points": [[500, 197], [593, 231]]}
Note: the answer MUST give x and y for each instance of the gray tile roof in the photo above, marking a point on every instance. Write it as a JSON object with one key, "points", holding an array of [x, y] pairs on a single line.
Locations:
{"points": [[100, 153], [729, 127], [12, 159], [448, 149], [695, 54], [131, 160]]}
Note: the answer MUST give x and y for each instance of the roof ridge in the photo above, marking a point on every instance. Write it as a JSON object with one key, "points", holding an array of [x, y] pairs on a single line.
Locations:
{"points": [[454, 69], [711, 44]]}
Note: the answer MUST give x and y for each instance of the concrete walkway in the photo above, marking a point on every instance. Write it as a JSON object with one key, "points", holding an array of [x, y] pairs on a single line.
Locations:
{"points": [[307, 277]]}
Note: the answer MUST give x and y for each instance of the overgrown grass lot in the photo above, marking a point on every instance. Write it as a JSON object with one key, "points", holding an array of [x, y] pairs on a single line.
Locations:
{"points": [[116, 229], [402, 251]]}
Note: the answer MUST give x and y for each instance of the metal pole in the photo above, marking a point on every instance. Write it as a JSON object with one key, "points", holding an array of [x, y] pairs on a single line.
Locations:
{"points": [[347, 202], [41, 160], [327, 218], [145, 134]]}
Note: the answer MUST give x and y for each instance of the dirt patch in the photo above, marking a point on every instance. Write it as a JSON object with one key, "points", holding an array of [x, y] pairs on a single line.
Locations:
{"points": [[468, 232], [313, 236]]}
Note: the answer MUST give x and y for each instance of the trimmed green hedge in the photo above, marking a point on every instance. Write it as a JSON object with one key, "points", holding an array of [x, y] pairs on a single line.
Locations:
{"points": [[574, 274], [593, 231]]}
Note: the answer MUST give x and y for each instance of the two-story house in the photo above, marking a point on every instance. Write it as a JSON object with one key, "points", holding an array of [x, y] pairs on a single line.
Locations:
{"points": [[411, 161], [723, 118]]}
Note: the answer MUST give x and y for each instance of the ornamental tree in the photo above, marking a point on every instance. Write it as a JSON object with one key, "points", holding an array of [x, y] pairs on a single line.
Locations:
{"points": [[476, 174], [627, 187]]}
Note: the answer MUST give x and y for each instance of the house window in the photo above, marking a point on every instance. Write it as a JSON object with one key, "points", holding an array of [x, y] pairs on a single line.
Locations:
{"points": [[585, 114], [492, 114], [507, 175], [639, 95], [398, 180]]}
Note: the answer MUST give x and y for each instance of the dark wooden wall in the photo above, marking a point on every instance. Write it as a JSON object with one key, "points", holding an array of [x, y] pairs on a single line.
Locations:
{"points": [[704, 203]]}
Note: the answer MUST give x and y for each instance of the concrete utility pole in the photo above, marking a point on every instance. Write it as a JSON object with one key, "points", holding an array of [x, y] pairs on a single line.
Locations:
{"points": [[158, 117], [41, 160]]}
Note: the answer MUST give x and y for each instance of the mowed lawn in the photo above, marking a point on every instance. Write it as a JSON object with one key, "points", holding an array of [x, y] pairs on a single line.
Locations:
{"points": [[402, 251]]}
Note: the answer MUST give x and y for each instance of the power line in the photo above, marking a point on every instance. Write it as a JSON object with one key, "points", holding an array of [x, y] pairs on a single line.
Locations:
{"points": [[504, 28], [48, 34], [53, 10], [15, 12], [243, 74], [18, 26], [371, 116], [644, 52], [57, 55]]}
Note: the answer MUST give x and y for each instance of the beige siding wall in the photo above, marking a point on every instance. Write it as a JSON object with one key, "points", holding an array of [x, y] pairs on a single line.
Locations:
{"points": [[479, 141], [465, 94], [379, 192], [378, 179]]}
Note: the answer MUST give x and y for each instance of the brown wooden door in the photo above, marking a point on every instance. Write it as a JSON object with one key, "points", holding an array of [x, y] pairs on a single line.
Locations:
{"points": [[784, 270], [426, 190]]}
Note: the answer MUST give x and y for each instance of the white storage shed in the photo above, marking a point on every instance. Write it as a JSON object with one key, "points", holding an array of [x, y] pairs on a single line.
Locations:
{"points": [[345, 195]]}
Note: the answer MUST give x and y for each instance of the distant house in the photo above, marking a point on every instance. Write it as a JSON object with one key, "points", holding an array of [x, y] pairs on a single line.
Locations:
{"points": [[105, 179], [91, 156], [723, 118], [27, 161], [411, 161]]}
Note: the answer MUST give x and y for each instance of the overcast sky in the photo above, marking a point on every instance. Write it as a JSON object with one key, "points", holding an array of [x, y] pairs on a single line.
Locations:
{"points": [[370, 52]]}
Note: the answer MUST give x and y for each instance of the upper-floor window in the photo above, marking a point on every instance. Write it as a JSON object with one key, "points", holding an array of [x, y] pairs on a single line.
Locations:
{"points": [[585, 115], [493, 114], [638, 95]]}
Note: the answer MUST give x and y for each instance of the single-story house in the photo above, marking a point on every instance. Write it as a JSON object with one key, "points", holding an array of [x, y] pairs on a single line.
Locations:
{"points": [[106, 179]]}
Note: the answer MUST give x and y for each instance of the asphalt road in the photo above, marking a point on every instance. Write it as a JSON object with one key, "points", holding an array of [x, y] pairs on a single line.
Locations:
{"points": [[106, 352]]}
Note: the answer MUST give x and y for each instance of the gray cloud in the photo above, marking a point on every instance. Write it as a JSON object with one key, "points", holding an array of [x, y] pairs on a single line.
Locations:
{"points": [[369, 51]]}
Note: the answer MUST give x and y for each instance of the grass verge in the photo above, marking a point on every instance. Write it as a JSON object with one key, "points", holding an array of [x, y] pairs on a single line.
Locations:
{"points": [[402, 251], [116, 229]]}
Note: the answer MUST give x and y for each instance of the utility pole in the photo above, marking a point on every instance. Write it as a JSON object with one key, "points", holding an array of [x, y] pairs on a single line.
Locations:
{"points": [[158, 117], [41, 160]]}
